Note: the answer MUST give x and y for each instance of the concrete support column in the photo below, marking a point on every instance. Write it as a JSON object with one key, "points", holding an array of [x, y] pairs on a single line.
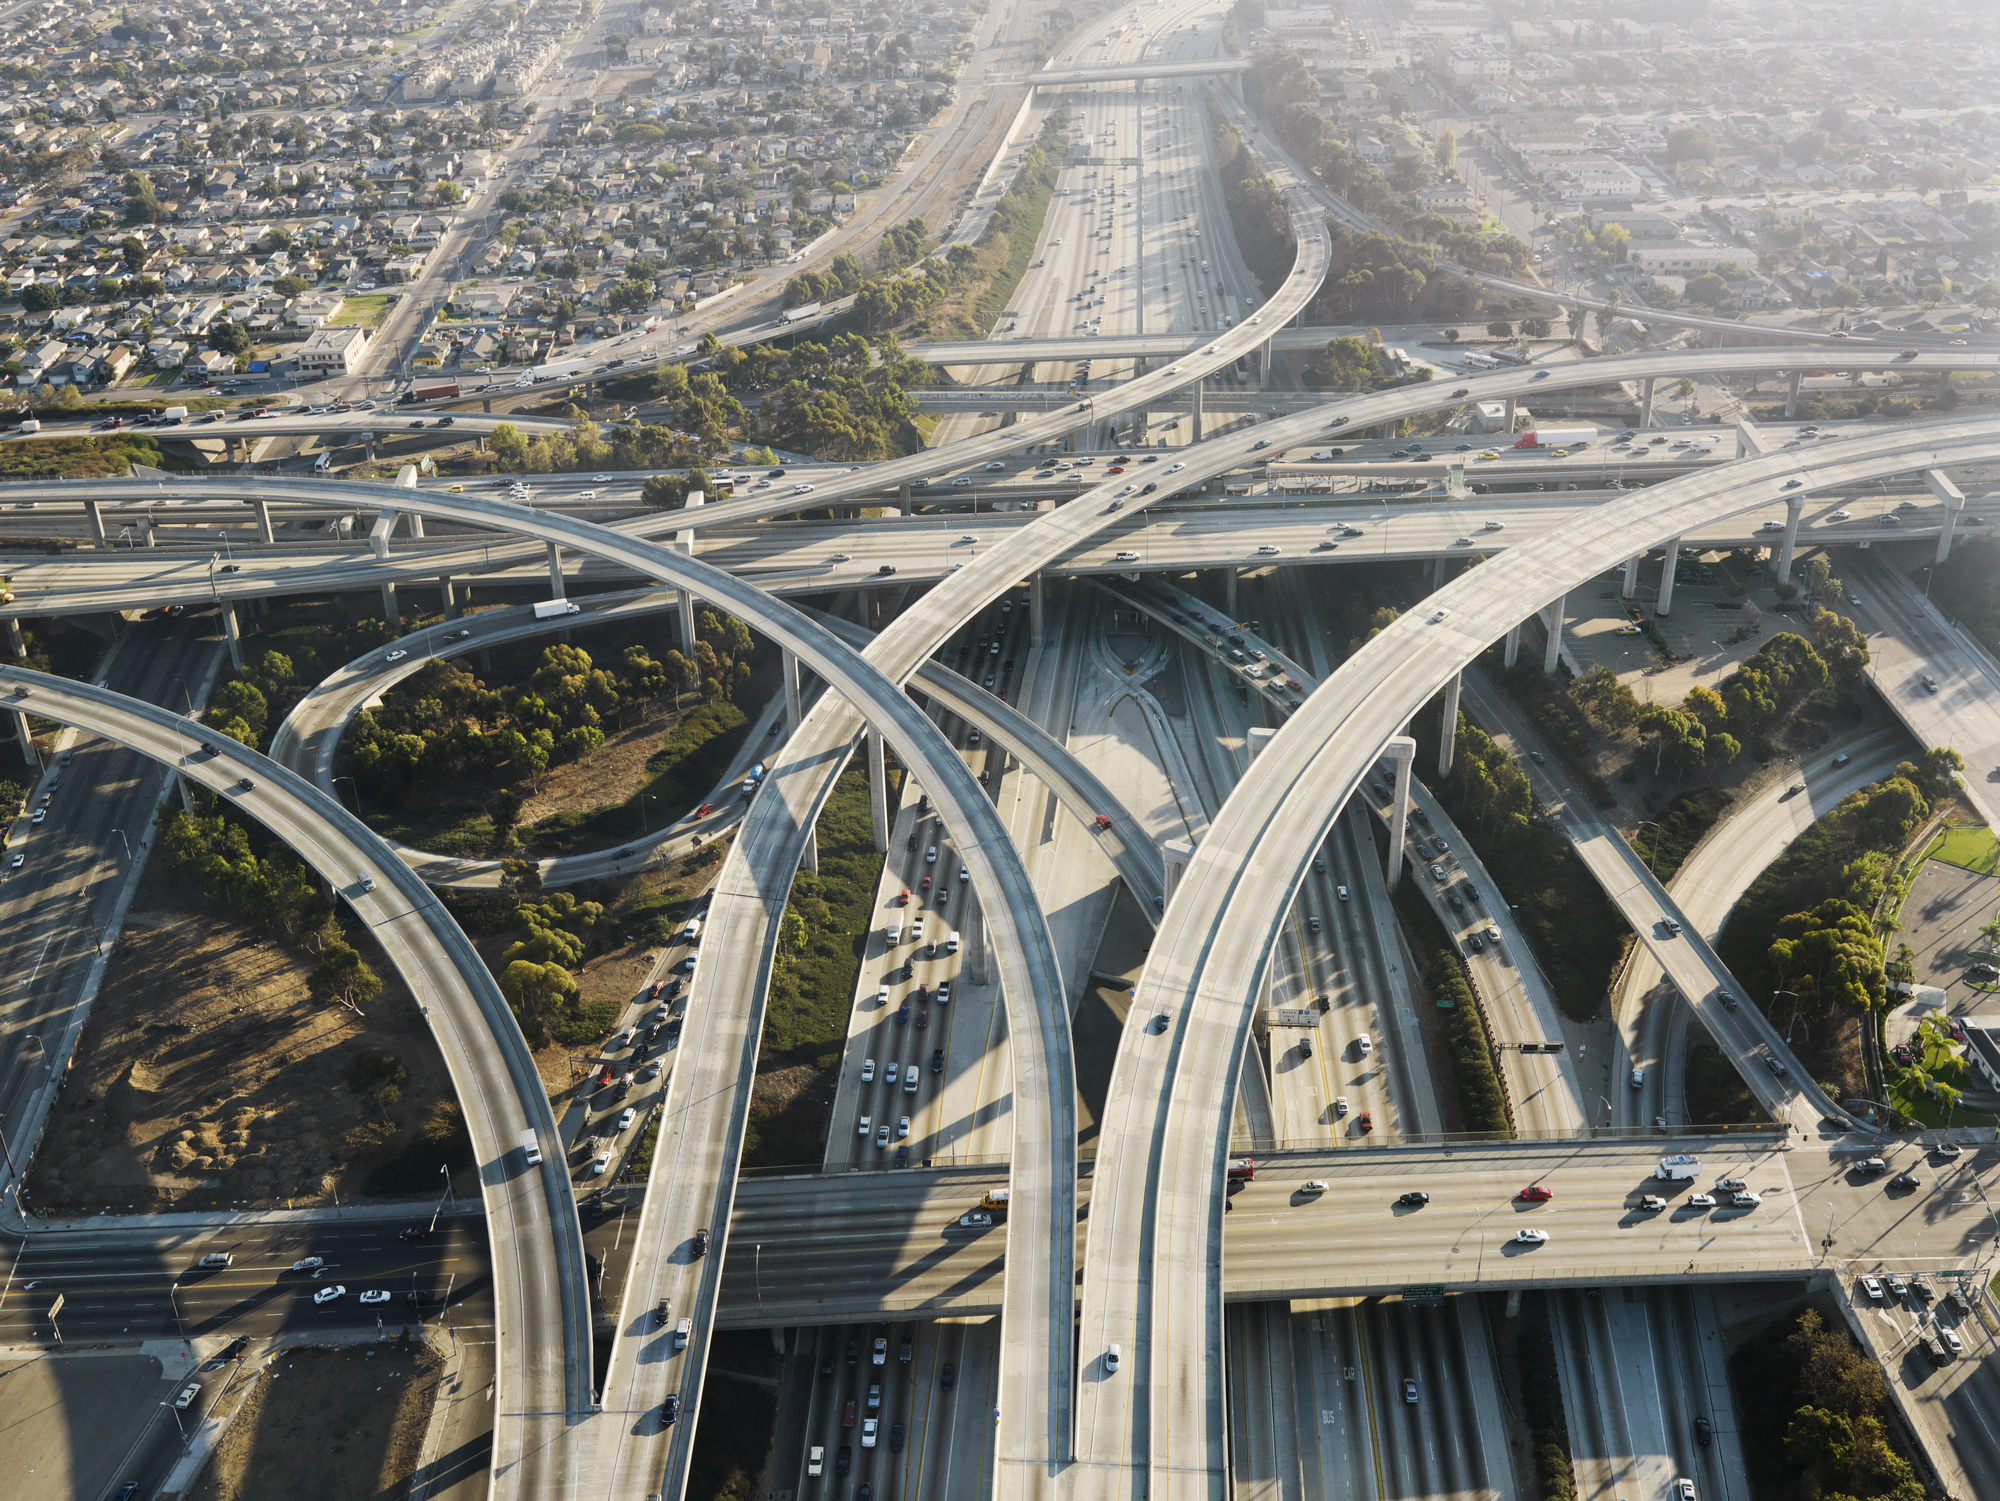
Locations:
{"points": [[1402, 750], [1437, 571], [1229, 592], [1631, 585], [904, 499], [810, 859], [265, 534], [96, 516], [15, 639], [1176, 855], [447, 596], [1508, 420], [235, 633], [555, 572], [1448, 727], [972, 939], [27, 740], [791, 674], [878, 791], [1195, 437], [1646, 401], [1954, 502], [1036, 606], [1513, 652], [1257, 739], [1665, 604], [187, 795], [1793, 510], [1555, 619], [1944, 384], [1792, 394], [389, 610], [416, 524], [687, 623], [146, 532]]}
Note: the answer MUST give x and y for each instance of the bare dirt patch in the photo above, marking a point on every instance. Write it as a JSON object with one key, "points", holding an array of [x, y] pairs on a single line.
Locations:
{"points": [[609, 775], [207, 1077], [328, 1425]]}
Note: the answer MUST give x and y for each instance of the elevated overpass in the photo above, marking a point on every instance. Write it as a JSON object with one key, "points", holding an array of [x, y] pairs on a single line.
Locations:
{"points": [[541, 1299], [1165, 1169], [1090, 73], [901, 1253]]}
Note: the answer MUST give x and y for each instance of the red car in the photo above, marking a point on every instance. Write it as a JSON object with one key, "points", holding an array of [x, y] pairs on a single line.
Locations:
{"points": [[847, 1417], [923, 1019], [1536, 1193], [1119, 470], [927, 887], [1463, 391], [1365, 1121], [415, 1232], [704, 810], [654, 993], [1103, 821], [904, 899]]}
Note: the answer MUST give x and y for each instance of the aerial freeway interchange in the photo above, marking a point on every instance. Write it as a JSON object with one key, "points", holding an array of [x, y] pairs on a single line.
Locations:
{"points": [[1155, 1280]]}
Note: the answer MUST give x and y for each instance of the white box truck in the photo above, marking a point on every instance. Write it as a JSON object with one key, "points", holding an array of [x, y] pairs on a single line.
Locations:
{"points": [[550, 609], [691, 930], [1683, 1167], [531, 1149], [31, 426], [172, 416]]}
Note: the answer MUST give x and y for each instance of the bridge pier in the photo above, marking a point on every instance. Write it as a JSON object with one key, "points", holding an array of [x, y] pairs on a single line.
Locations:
{"points": [[810, 859], [903, 498], [1665, 603], [1793, 510], [27, 740], [389, 611], [1437, 572], [878, 791], [235, 632], [555, 572], [1402, 750], [15, 639], [1554, 616], [1792, 395], [1508, 420], [1954, 502], [1176, 855], [96, 516], [1448, 730], [1631, 584], [1944, 384], [1196, 435], [416, 524], [973, 941], [265, 533], [1257, 739], [486, 405], [1229, 592], [791, 675], [1513, 648], [1646, 401], [447, 596]]}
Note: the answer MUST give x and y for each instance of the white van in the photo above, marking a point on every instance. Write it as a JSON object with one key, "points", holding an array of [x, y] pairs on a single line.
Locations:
{"points": [[531, 1149], [683, 1331], [691, 931], [323, 463], [951, 943]]}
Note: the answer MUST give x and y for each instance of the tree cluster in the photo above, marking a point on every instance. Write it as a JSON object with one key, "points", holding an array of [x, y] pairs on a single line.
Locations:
{"points": [[1350, 364], [1817, 1429], [537, 971]]}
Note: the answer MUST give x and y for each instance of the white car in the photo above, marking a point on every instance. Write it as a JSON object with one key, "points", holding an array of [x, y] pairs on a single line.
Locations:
{"points": [[1127, 556], [1269, 549], [1838, 515], [375, 1295], [328, 1294], [902, 1127], [967, 537], [586, 495], [1313, 1186], [394, 656], [309, 1264], [1174, 468], [1530, 1237], [1365, 1043], [626, 1116], [601, 1166], [867, 1070], [601, 479], [930, 855], [975, 1219], [802, 489]]}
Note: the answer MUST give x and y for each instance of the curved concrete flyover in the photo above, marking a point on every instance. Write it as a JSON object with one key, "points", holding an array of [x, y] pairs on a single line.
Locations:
{"points": [[1151, 1283], [384, 423], [308, 741], [1030, 975], [541, 1299]]}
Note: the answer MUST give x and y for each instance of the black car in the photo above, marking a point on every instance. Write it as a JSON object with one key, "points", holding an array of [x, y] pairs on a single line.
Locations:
{"points": [[701, 1242], [1415, 1196], [826, 1369], [415, 1232], [1704, 1433], [776, 474], [670, 1410], [421, 1299], [854, 1352], [947, 1378], [895, 1438], [663, 1312], [937, 1060], [844, 1460]]}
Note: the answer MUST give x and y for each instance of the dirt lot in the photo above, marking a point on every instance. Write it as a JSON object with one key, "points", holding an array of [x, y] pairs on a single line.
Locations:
{"points": [[610, 774], [208, 1078], [341, 1424]]}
